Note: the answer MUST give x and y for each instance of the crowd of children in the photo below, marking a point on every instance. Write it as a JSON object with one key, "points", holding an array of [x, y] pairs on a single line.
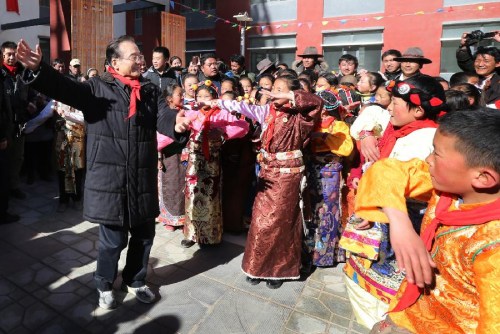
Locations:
{"points": [[395, 174], [304, 149]]}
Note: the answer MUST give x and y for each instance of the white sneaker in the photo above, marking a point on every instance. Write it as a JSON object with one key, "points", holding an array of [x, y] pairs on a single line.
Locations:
{"points": [[143, 293], [107, 300]]}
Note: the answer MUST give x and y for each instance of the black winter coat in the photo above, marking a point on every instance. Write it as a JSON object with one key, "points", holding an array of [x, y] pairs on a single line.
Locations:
{"points": [[163, 80], [121, 153], [6, 124]]}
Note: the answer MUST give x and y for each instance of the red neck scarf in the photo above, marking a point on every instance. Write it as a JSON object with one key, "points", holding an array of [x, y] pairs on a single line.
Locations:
{"points": [[206, 129], [135, 87], [11, 69], [388, 140], [476, 216]]}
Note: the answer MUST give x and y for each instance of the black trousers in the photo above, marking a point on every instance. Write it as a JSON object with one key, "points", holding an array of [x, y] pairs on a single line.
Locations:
{"points": [[112, 240]]}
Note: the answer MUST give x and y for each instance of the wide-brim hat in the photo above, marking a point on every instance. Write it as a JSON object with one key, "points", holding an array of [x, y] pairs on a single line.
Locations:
{"points": [[264, 65], [75, 62], [310, 51], [414, 55]]}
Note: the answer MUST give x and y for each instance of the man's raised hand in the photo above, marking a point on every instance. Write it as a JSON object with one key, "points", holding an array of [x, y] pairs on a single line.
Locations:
{"points": [[29, 58]]}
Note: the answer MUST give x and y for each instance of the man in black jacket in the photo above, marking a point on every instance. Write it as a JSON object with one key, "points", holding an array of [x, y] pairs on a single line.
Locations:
{"points": [[486, 64], [6, 126], [160, 72], [20, 97], [122, 113], [210, 71]]}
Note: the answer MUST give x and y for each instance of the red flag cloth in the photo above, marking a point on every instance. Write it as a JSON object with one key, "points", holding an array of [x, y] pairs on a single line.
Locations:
{"points": [[390, 136], [477, 216], [134, 84], [13, 6]]}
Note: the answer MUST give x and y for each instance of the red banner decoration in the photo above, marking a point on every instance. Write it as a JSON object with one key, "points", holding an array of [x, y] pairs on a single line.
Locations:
{"points": [[13, 6]]}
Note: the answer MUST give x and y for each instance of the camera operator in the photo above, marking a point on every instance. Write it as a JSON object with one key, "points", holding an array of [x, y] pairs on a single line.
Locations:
{"points": [[464, 54], [485, 62]]}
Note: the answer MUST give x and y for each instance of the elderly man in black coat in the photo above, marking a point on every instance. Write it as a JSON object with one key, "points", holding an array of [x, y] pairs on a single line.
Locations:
{"points": [[122, 113]]}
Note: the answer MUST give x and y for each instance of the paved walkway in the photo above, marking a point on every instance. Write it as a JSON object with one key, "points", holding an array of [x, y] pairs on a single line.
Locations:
{"points": [[46, 284]]}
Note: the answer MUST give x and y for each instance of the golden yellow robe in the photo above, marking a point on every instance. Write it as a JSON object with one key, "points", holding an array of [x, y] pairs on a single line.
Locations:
{"points": [[466, 296]]}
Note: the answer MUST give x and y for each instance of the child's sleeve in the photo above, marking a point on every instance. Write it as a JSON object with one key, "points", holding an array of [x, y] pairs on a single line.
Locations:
{"points": [[387, 184], [257, 113], [235, 127], [163, 141], [370, 119], [339, 140], [309, 105], [486, 269]]}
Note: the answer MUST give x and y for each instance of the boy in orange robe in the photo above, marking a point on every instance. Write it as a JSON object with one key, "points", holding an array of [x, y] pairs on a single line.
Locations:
{"points": [[453, 269]]}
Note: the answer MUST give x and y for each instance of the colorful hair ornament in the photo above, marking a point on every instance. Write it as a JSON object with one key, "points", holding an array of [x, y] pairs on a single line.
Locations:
{"points": [[403, 88], [208, 83], [389, 85]]}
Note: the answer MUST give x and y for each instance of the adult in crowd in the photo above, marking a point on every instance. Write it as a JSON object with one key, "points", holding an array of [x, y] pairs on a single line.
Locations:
{"points": [[392, 67], [92, 72], [144, 67], [266, 66], [311, 60], [176, 67], [75, 70], [194, 65], [58, 65], [237, 63], [465, 59], [122, 114], [160, 73], [6, 126], [412, 61], [348, 65], [210, 70], [20, 96], [485, 63]]}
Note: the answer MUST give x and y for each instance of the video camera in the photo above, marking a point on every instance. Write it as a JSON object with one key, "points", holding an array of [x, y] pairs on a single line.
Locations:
{"points": [[476, 36]]}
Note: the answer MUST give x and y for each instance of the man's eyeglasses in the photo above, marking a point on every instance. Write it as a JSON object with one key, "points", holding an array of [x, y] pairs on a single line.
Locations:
{"points": [[135, 58]]}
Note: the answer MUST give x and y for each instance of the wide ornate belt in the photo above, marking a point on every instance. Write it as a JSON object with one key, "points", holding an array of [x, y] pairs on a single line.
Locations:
{"points": [[285, 170], [289, 155]]}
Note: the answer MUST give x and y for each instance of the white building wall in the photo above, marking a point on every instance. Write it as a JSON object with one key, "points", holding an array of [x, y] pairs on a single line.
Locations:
{"points": [[28, 10]]}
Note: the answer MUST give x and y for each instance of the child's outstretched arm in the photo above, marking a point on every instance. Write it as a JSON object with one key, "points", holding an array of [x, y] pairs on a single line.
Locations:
{"points": [[254, 112]]}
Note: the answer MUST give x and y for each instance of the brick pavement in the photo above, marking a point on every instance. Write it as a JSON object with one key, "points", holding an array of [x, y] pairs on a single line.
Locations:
{"points": [[46, 284]]}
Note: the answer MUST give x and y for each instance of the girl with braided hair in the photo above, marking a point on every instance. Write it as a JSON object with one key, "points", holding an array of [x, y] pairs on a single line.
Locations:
{"points": [[373, 282], [210, 126]]}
